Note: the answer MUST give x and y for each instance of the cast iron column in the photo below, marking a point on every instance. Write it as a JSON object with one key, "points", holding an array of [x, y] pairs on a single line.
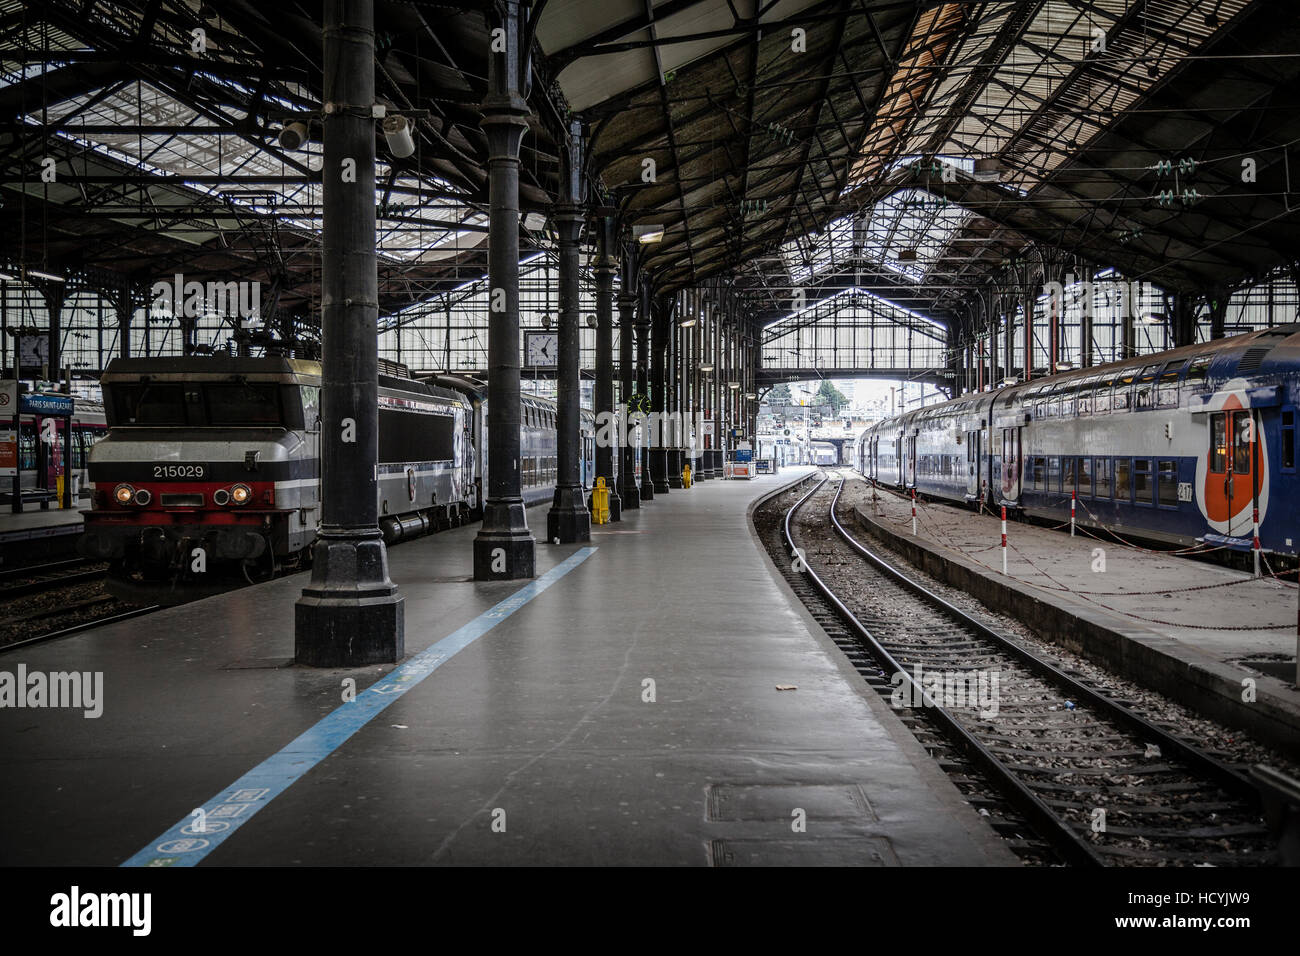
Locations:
{"points": [[504, 548], [627, 371], [675, 335], [643, 387], [350, 614], [568, 520], [696, 353], [604, 269], [662, 437]]}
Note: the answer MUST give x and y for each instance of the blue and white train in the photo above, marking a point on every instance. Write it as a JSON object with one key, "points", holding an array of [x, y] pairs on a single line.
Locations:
{"points": [[1181, 447]]}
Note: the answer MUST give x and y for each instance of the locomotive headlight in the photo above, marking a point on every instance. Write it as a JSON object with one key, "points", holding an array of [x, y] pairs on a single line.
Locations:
{"points": [[143, 497], [221, 496], [240, 494], [123, 494]]}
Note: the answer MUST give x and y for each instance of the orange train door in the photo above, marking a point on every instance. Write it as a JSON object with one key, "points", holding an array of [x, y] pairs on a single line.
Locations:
{"points": [[1230, 487]]}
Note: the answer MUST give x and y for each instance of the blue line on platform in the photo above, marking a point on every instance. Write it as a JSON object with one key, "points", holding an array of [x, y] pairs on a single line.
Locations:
{"points": [[186, 845]]}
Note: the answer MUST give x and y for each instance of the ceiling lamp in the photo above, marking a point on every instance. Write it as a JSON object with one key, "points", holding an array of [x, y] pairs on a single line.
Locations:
{"points": [[293, 136], [688, 323], [906, 255], [988, 170], [397, 133], [706, 367], [648, 234]]}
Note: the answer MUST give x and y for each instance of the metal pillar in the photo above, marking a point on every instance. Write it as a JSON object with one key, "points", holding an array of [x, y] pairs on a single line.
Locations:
{"points": [[676, 335], [627, 371], [504, 547], [1218, 302], [608, 439], [694, 338], [715, 393], [643, 387], [661, 315], [569, 521], [350, 614], [1027, 303], [55, 294], [122, 303]]}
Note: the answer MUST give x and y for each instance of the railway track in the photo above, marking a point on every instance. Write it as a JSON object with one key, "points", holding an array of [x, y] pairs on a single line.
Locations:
{"points": [[19, 582], [1064, 771], [46, 601]]}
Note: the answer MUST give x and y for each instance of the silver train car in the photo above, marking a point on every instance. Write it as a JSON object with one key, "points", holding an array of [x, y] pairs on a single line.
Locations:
{"points": [[222, 454]]}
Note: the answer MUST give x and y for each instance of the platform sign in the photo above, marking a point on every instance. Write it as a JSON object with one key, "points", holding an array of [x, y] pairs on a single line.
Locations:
{"points": [[38, 404], [8, 452], [8, 397], [744, 454]]}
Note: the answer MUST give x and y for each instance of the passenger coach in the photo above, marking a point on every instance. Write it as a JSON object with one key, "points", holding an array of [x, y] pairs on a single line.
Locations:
{"points": [[1178, 447]]}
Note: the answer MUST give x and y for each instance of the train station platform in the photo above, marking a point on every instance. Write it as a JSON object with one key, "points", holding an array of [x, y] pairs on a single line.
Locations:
{"points": [[1193, 629], [622, 708], [35, 533]]}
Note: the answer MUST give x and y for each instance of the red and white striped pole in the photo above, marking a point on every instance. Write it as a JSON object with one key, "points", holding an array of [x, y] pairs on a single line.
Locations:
{"points": [[1255, 522], [1004, 539], [1073, 497], [914, 516]]}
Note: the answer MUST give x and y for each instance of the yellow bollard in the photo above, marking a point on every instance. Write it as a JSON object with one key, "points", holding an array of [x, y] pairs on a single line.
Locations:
{"points": [[600, 503], [686, 477], [58, 488]]}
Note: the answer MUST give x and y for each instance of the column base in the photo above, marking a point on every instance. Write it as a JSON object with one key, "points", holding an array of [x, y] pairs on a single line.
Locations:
{"points": [[647, 486], [568, 521], [631, 497], [350, 614], [676, 461], [504, 549], [659, 470]]}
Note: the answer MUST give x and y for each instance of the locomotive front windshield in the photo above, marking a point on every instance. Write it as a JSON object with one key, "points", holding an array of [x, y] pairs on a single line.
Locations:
{"points": [[213, 404]]}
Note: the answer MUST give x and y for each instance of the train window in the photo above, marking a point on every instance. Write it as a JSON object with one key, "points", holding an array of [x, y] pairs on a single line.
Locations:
{"points": [[1142, 480], [1198, 370], [1288, 439], [1167, 386], [1067, 403], [1040, 473], [1101, 400], [242, 403], [1168, 482], [1101, 477], [153, 404], [1067, 474], [1243, 431], [1085, 476], [1085, 399], [1219, 443], [1123, 484], [1120, 397], [1144, 394], [1053, 473]]}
